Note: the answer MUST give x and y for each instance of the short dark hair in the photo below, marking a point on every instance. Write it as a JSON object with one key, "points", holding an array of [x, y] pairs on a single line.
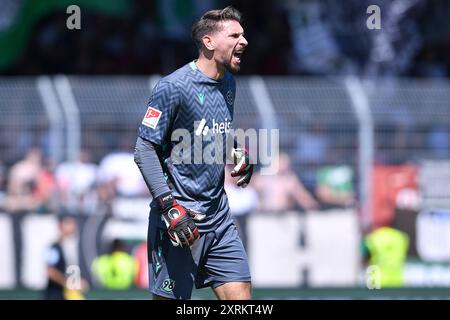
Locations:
{"points": [[117, 245], [209, 22], [61, 217]]}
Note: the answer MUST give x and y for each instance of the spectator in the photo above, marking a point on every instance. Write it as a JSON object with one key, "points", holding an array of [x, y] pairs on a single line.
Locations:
{"points": [[119, 174], [116, 270], [387, 248], [75, 182], [334, 187], [45, 191], [22, 181], [283, 191], [58, 287]]}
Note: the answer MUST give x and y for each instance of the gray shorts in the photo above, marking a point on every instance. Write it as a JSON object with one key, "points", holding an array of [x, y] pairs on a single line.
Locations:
{"points": [[215, 258]]}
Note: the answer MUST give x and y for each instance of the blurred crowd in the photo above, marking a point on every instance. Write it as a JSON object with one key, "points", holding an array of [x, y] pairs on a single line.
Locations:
{"points": [[35, 184], [313, 37], [77, 189]]}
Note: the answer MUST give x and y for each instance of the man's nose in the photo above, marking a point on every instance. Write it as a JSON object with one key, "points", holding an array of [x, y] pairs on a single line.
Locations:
{"points": [[243, 42]]}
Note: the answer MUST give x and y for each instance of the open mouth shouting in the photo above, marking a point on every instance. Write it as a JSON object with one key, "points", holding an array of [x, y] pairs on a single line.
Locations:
{"points": [[237, 54]]}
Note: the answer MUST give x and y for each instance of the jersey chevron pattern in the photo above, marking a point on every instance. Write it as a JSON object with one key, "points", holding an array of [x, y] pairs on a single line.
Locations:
{"points": [[188, 99]]}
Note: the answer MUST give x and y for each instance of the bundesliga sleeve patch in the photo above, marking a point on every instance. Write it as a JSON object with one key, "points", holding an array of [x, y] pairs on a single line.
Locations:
{"points": [[151, 117]]}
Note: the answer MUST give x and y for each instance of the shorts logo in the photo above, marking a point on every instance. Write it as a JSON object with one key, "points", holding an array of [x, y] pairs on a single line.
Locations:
{"points": [[168, 285], [156, 262], [151, 117]]}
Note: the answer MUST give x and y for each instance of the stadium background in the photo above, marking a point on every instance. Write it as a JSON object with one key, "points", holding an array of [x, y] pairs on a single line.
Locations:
{"points": [[363, 114]]}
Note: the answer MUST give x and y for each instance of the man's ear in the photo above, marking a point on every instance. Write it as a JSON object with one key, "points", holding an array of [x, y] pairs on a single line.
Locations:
{"points": [[208, 42]]}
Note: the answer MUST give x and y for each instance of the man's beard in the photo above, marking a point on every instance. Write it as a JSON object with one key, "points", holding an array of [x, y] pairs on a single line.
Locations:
{"points": [[228, 67]]}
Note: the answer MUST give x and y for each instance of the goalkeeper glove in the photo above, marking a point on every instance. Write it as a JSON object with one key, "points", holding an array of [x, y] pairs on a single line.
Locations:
{"points": [[243, 168], [181, 227]]}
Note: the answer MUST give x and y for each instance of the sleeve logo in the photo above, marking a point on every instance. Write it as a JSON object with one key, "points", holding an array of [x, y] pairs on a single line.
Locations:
{"points": [[151, 117]]}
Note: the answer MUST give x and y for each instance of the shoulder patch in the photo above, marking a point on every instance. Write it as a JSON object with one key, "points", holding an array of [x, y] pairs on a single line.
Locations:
{"points": [[151, 117]]}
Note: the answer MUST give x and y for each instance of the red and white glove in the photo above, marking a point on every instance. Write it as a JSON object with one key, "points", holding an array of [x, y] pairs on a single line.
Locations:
{"points": [[243, 168], [181, 227]]}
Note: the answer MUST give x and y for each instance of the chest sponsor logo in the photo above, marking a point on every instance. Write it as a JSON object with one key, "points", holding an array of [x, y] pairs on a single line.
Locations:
{"points": [[217, 127]]}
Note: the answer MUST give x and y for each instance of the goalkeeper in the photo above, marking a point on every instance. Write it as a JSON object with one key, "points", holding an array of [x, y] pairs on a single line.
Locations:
{"points": [[191, 236]]}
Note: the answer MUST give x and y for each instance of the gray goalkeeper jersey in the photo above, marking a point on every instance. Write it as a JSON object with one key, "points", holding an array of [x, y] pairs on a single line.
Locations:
{"points": [[187, 99]]}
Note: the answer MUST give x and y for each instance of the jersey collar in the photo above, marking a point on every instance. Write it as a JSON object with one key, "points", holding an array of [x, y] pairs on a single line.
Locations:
{"points": [[194, 67]]}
